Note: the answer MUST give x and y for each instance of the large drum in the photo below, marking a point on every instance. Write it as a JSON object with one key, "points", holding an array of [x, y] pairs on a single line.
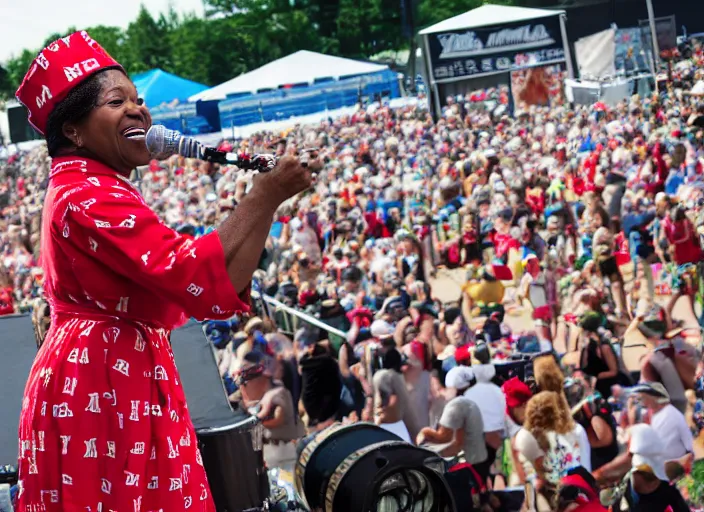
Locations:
{"points": [[233, 460], [362, 467]]}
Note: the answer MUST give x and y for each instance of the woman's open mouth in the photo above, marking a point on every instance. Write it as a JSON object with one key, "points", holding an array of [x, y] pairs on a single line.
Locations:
{"points": [[134, 133]]}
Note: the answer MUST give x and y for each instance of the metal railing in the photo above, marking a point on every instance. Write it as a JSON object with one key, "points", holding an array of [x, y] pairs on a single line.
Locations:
{"points": [[289, 319]]}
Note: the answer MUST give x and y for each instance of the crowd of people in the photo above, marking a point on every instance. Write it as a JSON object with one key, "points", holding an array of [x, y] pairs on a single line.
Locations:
{"points": [[585, 217]]}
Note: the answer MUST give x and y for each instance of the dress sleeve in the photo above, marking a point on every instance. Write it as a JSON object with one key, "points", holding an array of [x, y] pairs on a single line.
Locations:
{"points": [[117, 228], [527, 445]]}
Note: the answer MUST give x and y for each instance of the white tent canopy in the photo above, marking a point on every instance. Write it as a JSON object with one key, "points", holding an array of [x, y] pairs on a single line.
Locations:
{"points": [[297, 68], [487, 15]]}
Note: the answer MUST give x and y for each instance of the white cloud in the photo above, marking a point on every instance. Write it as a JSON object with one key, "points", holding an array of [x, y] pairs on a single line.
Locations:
{"points": [[26, 23]]}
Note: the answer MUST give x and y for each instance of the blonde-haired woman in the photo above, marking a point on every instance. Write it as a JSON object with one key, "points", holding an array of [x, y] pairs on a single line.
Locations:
{"points": [[551, 441]]}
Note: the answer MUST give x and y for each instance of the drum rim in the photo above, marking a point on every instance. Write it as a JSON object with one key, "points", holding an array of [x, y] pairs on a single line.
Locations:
{"points": [[208, 431], [305, 456], [341, 471], [312, 446]]}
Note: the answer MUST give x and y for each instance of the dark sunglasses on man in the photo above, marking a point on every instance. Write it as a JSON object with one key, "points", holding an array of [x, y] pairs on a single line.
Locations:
{"points": [[247, 374]]}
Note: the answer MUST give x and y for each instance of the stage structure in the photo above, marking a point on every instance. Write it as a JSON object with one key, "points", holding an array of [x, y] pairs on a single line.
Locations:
{"points": [[299, 84], [481, 48]]}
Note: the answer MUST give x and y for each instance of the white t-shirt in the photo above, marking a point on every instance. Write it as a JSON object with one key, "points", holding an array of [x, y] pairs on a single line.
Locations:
{"points": [[461, 413], [566, 451], [512, 428], [672, 428], [492, 404]]}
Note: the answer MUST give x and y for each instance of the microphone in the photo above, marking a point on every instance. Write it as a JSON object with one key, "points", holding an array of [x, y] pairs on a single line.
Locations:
{"points": [[163, 143]]}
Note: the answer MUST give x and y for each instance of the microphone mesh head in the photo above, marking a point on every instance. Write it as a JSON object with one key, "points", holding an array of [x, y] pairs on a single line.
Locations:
{"points": [[162, 142]]}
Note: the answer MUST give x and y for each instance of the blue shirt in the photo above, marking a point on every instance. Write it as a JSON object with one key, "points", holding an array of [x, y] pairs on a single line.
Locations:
{"points": [[673, 182]]}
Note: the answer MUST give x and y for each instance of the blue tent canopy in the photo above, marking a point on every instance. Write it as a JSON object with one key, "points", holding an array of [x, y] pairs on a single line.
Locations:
{"points": [[157, 87]]}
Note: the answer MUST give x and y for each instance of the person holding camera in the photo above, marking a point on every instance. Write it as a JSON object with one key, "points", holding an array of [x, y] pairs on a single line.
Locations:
{"points": [[595, 415], [598, 359]]}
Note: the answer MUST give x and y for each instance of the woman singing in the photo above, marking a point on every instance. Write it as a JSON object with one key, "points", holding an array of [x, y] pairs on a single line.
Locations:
{"points": [[104, 423]]}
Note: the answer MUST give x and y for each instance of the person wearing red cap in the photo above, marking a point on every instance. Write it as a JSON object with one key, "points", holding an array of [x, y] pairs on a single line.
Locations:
{"points": [[517, 394], [104, 423]]}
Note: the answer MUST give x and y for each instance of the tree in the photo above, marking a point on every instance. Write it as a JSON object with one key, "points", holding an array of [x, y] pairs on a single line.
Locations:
{"points": [[367, 27], [148, 41], [240, 35], [18, 66], [6, 89], [189, 57], [114, 41]]}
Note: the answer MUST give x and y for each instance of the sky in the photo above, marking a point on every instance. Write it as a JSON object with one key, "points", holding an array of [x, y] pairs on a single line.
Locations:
{"points": [[26, 23]]}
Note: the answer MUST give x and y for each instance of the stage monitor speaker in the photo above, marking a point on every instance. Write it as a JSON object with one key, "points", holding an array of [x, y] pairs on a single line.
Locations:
{"points": [[18, 351], [230, 441], [20, 129]]}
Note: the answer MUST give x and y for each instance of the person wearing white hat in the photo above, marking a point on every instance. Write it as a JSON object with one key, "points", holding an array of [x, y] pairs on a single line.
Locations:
{"points": [[461, 428], [648, 488], [669, 423]]}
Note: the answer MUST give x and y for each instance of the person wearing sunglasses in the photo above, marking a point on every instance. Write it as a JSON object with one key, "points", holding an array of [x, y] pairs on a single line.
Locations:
{"points": [[272, 403]]}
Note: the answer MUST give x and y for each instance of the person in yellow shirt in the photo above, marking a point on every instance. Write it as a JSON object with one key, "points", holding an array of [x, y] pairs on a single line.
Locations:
{"points": [[484, 284]]}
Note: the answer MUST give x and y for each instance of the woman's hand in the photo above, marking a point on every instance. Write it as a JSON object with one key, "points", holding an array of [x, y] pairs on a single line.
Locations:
{"points": [[288, 178]]}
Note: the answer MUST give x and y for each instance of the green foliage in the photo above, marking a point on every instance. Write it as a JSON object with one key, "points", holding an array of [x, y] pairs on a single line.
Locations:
{"points": [[239, 35], [695, 484], [16, 69], [147, 40], [5, 84]]}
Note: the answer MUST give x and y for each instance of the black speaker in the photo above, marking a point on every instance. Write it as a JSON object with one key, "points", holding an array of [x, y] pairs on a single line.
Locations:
{"points": [[20, 129], [18, 351]]}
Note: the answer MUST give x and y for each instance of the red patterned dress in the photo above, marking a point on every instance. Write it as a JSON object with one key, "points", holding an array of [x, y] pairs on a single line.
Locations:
{"points": [[104, 424]]}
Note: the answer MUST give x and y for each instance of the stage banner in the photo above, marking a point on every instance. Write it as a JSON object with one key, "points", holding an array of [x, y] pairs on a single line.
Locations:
{"points": [[631, 51], [595, 54], [470, 53]]}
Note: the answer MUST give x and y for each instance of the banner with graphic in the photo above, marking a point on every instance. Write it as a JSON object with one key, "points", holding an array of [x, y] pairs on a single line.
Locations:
{"points": [[469, 53], [630, 54], [538, 86]]}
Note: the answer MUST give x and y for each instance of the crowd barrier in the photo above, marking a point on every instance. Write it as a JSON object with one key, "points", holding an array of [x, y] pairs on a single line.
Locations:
{"points": [[289, 319]]}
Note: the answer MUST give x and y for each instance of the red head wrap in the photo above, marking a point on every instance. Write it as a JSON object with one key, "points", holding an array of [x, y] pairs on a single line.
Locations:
{"points": [[516, 391], [57, 69], [463, 354]]}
